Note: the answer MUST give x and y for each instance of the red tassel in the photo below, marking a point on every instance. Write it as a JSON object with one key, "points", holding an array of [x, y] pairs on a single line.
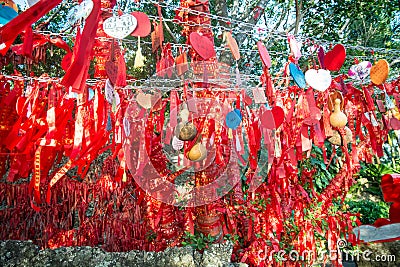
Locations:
{"points": [[121, 76]]}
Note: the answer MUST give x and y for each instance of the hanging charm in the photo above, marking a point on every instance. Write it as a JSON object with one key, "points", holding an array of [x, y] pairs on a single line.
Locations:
{"points": [[143, 27], [360, 71], [181, 63], [197, 153], [334, 59], [177, 144], [139, 58], [320, 79], [379, 72], [338, 118], [78, 13], [120, 26], [157, 36], [297, 75], [232, 44], [203, 46]]}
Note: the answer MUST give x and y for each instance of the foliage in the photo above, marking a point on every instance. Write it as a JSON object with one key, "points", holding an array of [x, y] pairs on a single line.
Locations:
{"points": [[365, 196], [369, 210], [198, 241], [324, 171], [369, 178], [367, 23]]}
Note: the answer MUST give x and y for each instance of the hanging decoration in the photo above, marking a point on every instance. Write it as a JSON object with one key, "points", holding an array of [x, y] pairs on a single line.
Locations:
{"points": [[7, 13], [297, 75], [334, 59], [79, 13], [379, 72], [360, 71], [203, 46], [320, 79], [120, 26]]}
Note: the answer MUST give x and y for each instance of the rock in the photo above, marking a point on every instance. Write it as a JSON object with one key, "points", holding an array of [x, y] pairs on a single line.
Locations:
{"points": [[370, 233], [26, 254], [217, 255], [385, 254], [11, 251], [240, 264]]}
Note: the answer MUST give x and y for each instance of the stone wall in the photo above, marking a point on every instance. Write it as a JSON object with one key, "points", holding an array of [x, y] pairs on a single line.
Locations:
{"points": [[26, 254], [389, 251]]}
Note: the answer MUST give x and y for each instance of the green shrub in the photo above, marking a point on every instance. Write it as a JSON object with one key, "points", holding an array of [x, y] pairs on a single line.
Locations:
{"points": [[369, 210]]}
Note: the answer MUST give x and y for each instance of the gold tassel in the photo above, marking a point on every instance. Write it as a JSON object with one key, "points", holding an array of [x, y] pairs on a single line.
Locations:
{"points": [[139, 58]]}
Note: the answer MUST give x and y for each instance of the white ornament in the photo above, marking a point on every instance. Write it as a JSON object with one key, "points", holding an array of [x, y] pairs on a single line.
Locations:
{"points": [[127, 126], [112, 96], [120, 26], [79, 12], [320, 79], [176, 143]]}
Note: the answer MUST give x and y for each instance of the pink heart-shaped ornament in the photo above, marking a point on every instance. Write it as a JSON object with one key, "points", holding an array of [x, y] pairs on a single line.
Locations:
{"points": [[294, 47], [320, 79], [143, 24], [112, 71], [144, 100], [335, 58], [272, 118], [394, 124], [267, 119], [202, 45], [265, 58]]}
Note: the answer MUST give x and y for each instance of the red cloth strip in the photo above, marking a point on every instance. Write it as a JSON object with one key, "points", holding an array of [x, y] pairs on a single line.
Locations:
{"points": [[78, 70]]}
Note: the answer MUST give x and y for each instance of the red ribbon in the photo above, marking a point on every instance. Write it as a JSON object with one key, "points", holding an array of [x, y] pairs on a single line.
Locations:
{"points": [[77, 72], [10, 31]]}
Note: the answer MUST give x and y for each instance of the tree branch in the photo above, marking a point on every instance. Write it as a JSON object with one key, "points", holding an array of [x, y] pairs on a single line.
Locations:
{"points": [[284, 14], [299, 7], [397, 60], [170, 32], [249, 18], [45, 23]]}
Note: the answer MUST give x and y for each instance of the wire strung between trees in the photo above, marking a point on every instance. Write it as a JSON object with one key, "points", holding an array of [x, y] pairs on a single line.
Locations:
{"points": [[188, 46], [254, 31], [248, 81], [260, 29]]}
